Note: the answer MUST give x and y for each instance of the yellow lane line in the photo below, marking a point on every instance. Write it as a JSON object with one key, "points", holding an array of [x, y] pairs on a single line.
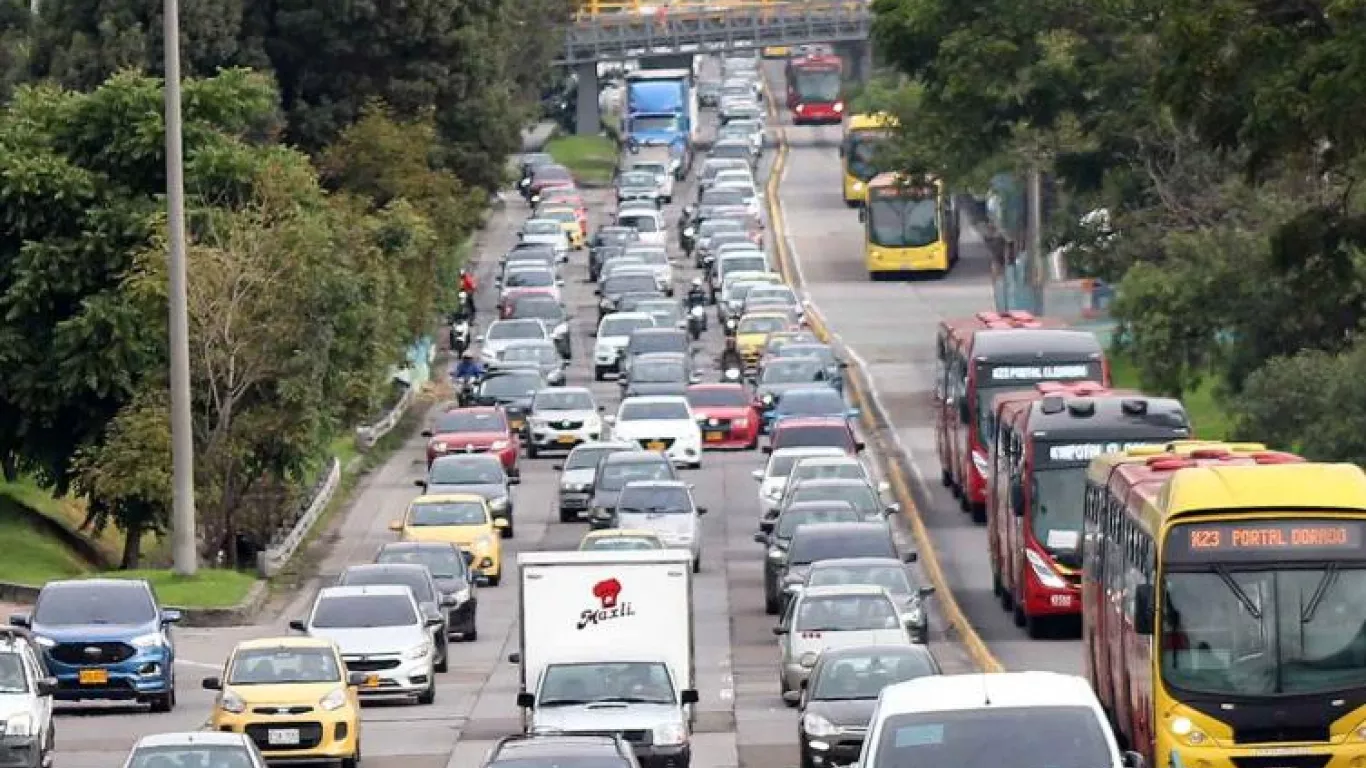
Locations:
{"points": [[859, 389]]}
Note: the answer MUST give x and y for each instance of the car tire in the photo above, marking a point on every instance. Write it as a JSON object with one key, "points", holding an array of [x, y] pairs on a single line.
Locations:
{"points": [[697, 564], [599, 373], [428, 696], [164, 702], [471, 636], [354, 760], [508, 532], [495, 579], [568, 515], [445, 662], [531, 452]]}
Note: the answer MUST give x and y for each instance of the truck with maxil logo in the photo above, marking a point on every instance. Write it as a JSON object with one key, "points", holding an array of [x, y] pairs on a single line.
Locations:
{"points": [[607, 647]]}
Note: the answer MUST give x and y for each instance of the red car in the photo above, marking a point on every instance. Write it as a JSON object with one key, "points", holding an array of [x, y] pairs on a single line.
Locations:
{"points": [[812, 432], [545, 177], [726, 414], [474, 430]]}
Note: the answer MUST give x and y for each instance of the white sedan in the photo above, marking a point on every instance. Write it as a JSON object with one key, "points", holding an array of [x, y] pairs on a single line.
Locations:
{"points": [[663, 423]]}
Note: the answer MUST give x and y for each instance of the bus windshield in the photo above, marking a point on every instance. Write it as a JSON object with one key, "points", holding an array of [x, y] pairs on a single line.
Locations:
{"points": [[902, 222], [860, 154], [817, 85], [1231, 631], [1056, 511]]}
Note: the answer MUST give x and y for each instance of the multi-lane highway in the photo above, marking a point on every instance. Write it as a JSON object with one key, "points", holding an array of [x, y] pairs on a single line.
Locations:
{"points": [[889, 330], [741, 721]]}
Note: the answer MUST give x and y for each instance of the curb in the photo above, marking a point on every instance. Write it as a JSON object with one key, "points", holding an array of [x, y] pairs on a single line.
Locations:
{"points": [[227, 616], [874, 418]]}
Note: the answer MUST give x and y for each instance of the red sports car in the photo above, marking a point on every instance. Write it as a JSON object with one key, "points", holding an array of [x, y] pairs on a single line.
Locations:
{"points": [[474, 430], [726, 414], [812, 432]]}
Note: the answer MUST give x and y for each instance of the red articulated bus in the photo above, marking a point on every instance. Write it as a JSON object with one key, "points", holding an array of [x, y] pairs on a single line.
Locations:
{"points": [[987, 355], [1045, 439], [815, 84]]}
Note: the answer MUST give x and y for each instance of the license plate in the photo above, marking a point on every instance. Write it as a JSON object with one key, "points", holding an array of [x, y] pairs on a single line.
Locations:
{"points": [[714, 437], [371, 681], [93, 676], [566, 440], [654, 446], [282, 737], [517, 423], [1061, 601]]}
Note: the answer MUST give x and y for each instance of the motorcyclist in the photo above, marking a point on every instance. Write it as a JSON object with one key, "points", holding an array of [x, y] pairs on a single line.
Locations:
{"points": [[730, 356], [697, 295], [467, 286], [468, 368]]}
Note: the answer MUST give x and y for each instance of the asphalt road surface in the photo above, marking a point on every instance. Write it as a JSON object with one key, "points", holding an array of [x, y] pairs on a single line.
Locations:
{"points": [[742, 722], [825, 239]]}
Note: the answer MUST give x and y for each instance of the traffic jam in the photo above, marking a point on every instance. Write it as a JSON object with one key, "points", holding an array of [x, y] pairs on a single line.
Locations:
{"points": [[1215, 585]]}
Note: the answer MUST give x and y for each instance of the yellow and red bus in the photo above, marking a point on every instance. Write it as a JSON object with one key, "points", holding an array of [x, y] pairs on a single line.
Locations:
{"points": [[1224, 623], [908, 228], [863, 135]]}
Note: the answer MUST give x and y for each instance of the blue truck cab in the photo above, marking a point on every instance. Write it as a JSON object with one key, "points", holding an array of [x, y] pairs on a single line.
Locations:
{"points": [[661, 110], [105, 639]]}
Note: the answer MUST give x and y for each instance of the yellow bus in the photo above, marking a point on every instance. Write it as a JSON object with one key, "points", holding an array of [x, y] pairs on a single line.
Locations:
{"points": [[1224, 624], [863, 134], [908, 227]]}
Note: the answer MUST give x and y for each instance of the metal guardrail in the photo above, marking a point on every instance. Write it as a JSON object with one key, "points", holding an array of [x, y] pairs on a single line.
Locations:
{"points": [[702, 28], [273, 558], [367, 436]]}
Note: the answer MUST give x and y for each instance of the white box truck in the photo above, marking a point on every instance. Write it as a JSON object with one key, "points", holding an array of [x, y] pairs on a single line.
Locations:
{"points": [[607, 647]]}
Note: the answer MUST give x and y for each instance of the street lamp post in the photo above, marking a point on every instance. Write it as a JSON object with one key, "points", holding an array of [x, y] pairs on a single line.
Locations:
{"points": [[183, 529]]}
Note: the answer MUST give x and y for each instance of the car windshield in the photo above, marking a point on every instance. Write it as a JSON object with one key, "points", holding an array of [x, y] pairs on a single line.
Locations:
{"points": [[515, 329], [654, 499], [588, 457], [654, 410], [12, 676], [861, 496], [616, 476], [469, 421], [447, 513], [744, 264], [534, 353], [364, 611], [281, 666], [763, 324], [903, 223], [529, 278], [640, 282], [718, 397], [791, 371], [383, 577], [542, 228], [819, 351], [539, 308], [511, 385], [651, 256], [844, 470], [655, 123], [639, 222], [636, 179], [813, 402], [632, 682], [890, 577], [623, 326], [445, 561], [1020, 737], [851, 678], [791, 518], [658, 372], [813, 436], [656, 169], [846, 613], [645, 343], [466, 470], [187, 756], [563, 400], [562, 215], [622, 543], [90, 603], [825, 546]]}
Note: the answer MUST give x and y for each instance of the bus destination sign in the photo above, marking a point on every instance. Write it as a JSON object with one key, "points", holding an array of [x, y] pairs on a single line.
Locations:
{"points": [[1070, 453], [1267, 539], [1044, 372], [895, 190]]}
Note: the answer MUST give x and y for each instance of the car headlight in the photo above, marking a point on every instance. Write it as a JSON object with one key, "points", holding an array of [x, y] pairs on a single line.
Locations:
{"points": [[776, 554], [560, 329], [815, 725], [914, 616], [439, 447], [1043, 571], [809, 659], [740, 423], [498, 445], [231, 702], [574, 487], [773, 494], [462, 595], [670, 734], [499, 503], [418, 651], [149, 640], [334, 700], [483, 542], [1187, 732], [20, 726], [45, 642]]}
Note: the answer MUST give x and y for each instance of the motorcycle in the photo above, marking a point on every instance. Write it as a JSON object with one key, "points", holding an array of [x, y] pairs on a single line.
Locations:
{"points": [[466, 303], [465, 389], [697, 321], [460, 336]]}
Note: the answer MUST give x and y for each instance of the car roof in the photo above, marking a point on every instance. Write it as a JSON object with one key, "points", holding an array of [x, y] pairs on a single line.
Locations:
{"points": [[854, 562], [290, 641], [411, 546], [616, 445], [658, 331], [355, 590], [833, 459], [809, 450], [556, 745], [102, 583], [844, 590], [451, 458], [635, 456], [188, 738], [613, 533], [818, 504], [656, 484], [717, 385], [657, 399], [835, 530], [628, 316], [552, 390], [940, 693], [798, 422], [385, 568]]}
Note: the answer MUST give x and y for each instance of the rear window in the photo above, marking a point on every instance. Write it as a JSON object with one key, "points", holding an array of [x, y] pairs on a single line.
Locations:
{"points": [[367, 611], [1053, 736], [639, 223], [790, 519], [421, 587], [808, 548], [814, 436], [644, 343], [718, 397]]}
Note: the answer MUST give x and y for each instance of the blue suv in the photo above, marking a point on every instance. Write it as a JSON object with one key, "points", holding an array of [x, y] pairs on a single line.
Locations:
{"points": [[105, 639]]}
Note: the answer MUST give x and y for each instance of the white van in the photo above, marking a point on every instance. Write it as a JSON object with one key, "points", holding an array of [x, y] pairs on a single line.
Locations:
{"points": [[649, 222], [1019, 719]]}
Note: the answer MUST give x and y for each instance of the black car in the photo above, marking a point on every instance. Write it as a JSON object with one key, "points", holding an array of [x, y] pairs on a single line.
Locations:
{"points": [[511, 388], [616, 470], [777, 539], [825, 541], [561, 751], [659, 373], [450, 568], [417, 578], [703, 234], [601, 255], [645, 341], [616, 286], [841, 693], [578, 473]]}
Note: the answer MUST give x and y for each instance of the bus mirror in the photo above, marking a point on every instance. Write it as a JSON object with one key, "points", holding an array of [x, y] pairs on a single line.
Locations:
{"points": [[862, 215], [964, 415], [1143, 610], [1017, 501]]}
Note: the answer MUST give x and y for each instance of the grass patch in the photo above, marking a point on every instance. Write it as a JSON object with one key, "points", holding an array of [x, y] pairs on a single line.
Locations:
{"points": [[1207, 414], [32, 555], [592, 159], [208, 588]]}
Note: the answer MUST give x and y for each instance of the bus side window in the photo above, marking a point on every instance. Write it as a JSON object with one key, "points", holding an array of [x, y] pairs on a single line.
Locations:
{"points": [[1112, 559], [1088, 527], [941, 369], [1132, 573]]}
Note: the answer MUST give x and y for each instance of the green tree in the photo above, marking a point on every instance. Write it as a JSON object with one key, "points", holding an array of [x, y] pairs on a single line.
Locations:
{"points": [[15, 43]]}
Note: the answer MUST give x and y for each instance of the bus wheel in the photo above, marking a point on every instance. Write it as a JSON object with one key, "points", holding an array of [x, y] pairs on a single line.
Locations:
{"points": [[1007, 600], [1017, 611], [979, 514], [946, 478]]}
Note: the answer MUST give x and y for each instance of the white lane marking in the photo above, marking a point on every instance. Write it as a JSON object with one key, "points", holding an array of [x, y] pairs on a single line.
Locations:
{"points": [[197, 664]]}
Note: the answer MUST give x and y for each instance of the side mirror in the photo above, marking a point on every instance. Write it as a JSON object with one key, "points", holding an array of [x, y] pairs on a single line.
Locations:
{"points": [[557, 467], [479, 339], [514, 658], [862, 215], [760, 538], [767, 449], [597, 292], [1132, 759], [170, 616], [780, 630], [688, 696], [48, 686], [448, 600], [911, 556], [852, 413], [1143, 610], [964, 415], [482, 580], [515, 480], [924, 592], [893, 508], [426, 433], [758, 475], [526, 700], [356, 679], [211, 684], [695, 379], [20, 620], [500, 523], [435, 621], [420, 484], [395, 525], [859, 445], [298, 625], [467, 555], [701, 510], [609, 420]]}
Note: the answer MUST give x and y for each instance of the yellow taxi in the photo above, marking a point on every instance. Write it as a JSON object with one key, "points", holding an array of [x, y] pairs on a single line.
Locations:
{"points": [[293, 696], [752, 332], [569, 220], [462, 519], [619, 540], [777, 51]]}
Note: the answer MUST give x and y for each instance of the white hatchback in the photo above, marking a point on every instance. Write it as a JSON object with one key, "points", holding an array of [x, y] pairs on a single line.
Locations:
{"points": [[614, 333], [649, 222]]}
